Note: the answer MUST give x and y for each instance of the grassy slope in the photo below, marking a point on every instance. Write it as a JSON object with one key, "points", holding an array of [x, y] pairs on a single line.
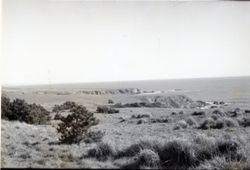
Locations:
{"points": [[32, 146]]}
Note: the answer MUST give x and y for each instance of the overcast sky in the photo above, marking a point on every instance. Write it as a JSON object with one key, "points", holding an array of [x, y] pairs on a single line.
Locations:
{"points": [[60, 41]]}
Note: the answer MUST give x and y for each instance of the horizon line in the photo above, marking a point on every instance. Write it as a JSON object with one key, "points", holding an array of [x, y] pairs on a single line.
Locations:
{"points": [[118, 81]]}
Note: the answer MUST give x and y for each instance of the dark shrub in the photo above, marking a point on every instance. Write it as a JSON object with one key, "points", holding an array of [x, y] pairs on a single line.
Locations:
{"points": [[37, 114], [75, 125], [247, 111], [58, 116], [101, 152], [20, 110], [105, 109], [65, 106], [110, 101], [141, 121], [5, 107], [198, 113]]}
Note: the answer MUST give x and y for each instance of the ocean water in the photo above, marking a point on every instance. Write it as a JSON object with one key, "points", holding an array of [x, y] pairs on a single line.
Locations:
{"points": [[234, 90]]}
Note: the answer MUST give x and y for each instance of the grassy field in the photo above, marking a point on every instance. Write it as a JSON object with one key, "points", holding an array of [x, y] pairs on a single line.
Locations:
{"points": [[141, 137]]}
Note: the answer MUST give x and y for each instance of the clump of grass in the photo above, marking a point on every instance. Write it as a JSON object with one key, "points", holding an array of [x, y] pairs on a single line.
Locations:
{"points": [[218, 123], [177, 154], [106, 109], [145, 158], [173, 154], [137, 147], [181, 124], [245, 121], [219, 113], [191, 121], [229, 122], [94, 136], [101, 152]]}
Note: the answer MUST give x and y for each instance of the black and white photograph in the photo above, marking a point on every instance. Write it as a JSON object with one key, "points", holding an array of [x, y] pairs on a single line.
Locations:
{"points": [[125, 84]]}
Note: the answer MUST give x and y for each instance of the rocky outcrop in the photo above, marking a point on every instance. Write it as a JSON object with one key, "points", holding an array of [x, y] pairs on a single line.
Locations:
{"points": [[175, 101], [130, 91], [112, 91]]}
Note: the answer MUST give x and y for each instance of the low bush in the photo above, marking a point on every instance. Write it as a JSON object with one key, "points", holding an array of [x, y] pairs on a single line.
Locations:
{"points": [[110, 101], [65, 106], [20, 110], [106, 109], [58, 116], [75, 125]]}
